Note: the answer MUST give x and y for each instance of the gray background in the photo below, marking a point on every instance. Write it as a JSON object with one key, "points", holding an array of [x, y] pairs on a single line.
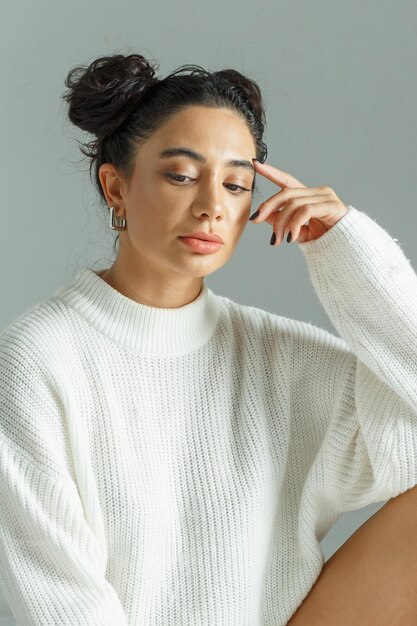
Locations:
{"points": [[339, 83]]}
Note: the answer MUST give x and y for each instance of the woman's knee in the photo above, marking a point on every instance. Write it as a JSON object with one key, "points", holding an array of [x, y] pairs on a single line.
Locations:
{"points": [[372, 578]]}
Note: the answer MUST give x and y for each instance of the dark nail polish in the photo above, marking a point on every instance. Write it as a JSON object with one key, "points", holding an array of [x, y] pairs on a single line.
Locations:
{"points": [[273, 239], [252, 217], [289, 237]]}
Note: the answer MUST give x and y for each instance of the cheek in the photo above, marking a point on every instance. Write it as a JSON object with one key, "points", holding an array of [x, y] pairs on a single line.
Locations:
{"points": [[244, 217], [142, 206], [150, 221]]}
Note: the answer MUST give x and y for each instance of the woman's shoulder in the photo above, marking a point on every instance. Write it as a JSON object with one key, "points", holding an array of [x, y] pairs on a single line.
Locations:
{"points": [[256, 316], [35, 334], [273, 325]]}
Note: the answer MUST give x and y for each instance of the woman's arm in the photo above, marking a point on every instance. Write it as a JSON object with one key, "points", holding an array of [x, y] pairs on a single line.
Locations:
{"points": [[52, 566], [369, 290]]}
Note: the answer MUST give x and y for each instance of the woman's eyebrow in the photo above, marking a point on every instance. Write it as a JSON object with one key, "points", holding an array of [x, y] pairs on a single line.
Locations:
{"points": [[170, 152]]}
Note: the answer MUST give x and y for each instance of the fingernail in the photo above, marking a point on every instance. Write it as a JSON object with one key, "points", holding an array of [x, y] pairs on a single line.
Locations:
{"points": [[256, 160], [273, 239], [252, 217], [289, 237]]}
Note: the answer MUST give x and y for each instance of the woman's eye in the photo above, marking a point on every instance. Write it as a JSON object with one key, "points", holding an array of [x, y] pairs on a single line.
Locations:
{"points": [[236, 187], [242, 189], [177, 176]]}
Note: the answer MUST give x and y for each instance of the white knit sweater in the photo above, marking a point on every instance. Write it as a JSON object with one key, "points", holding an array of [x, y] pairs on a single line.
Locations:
{"points": [[170, 467]]}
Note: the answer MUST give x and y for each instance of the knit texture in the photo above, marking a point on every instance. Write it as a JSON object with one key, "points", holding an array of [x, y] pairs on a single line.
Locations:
{"points": [[181, 466]]}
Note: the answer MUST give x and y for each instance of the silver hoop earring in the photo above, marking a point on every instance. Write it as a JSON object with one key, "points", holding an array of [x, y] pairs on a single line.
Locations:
{"points": [[117, 223]]}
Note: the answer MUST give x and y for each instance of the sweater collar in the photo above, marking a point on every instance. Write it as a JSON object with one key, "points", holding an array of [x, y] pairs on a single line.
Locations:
{"points": [[140, 327]]}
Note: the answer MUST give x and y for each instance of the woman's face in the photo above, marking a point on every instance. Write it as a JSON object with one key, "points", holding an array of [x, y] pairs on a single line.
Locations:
{"points": [[172, 196]]}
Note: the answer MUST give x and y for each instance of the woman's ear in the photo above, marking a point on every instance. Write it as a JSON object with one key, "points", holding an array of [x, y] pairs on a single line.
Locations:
{"points": [[111, 184]]}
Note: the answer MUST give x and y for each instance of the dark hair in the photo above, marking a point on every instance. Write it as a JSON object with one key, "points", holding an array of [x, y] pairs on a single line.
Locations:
{"points": [[120, 101]]}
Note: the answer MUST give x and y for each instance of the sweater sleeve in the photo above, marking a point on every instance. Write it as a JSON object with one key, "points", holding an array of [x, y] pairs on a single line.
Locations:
{"points": [[52, 568], [369, 290]]}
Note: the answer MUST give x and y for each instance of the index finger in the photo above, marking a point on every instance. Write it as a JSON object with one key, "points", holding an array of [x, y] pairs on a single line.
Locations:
{"points": [[279, 177]]}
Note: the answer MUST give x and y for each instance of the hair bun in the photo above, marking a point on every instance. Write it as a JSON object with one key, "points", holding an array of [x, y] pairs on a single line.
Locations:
{"points": [[102, 95]]}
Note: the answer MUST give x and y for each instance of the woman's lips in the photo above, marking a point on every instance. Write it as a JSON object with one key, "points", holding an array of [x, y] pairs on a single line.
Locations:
{"points": [[199, 245]]}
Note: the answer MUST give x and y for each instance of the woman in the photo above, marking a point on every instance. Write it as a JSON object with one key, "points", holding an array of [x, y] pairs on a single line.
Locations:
{"points": [[170, 456]]}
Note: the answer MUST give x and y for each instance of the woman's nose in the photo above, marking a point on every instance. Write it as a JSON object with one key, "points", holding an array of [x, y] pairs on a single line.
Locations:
{"points": [[212, 198]]}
